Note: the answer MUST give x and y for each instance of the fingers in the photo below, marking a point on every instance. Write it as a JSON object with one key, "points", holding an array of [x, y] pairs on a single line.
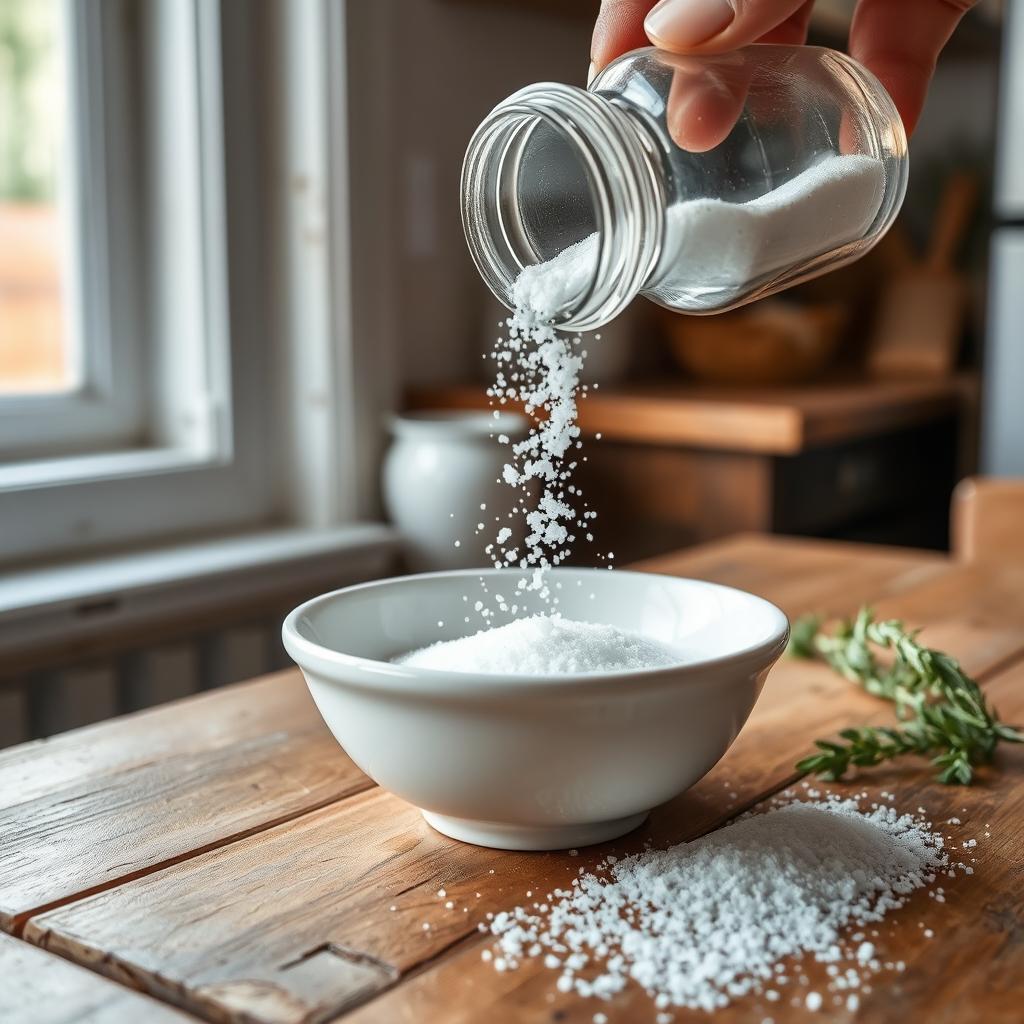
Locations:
{"points": [[716, 26], [705, 101], [792, 31], [708, 93], [900, 42], [619, 28]]}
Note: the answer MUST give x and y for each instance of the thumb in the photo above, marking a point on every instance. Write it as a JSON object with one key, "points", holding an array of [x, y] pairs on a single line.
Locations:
{"points": [[716, 26]]}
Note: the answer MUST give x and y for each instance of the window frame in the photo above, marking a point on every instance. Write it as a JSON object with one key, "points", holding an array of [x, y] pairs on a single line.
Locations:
{"points": [[286, 421], [103, 406], [199, 463]]}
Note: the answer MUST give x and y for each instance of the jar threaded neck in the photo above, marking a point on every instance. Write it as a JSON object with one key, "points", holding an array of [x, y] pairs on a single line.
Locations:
{"points": [[626, 194]]}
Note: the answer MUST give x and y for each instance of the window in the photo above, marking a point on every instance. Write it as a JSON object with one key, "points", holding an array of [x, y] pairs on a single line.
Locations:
{"points": [[135, 386]]}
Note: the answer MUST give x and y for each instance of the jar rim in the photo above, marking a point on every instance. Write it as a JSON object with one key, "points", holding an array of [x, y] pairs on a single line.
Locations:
{"points": [[626, 192]]}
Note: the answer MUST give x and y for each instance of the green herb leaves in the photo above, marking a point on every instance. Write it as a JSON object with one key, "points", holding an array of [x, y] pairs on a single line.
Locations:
{"points": [[942, 711]]}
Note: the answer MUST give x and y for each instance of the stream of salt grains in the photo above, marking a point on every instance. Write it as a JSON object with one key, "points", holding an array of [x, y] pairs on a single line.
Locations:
{"points": [[735, 913], [538, 366]]}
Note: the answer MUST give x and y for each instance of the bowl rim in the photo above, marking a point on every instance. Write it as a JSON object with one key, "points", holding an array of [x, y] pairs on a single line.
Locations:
{"points": [[386, 676]]}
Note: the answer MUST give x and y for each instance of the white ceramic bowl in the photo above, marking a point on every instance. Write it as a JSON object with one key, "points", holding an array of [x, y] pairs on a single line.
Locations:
{"points": [[526, 762]]}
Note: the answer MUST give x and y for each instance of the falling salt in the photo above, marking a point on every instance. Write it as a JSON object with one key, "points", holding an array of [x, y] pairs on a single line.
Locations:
{"points": [[705, 922], [539, 366], [719, 246], [545, 645], [545, 368]]}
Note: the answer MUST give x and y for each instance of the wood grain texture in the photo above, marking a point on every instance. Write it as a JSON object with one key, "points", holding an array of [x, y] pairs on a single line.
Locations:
{"points": [[87, 808], [988, 521], [779, 421], [293, 924], [970, 969], [39, 988], [207, 933], [800, 575]]}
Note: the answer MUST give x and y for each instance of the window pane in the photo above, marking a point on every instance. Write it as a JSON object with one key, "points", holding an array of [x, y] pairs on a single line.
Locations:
{"points": [[33, 338]]}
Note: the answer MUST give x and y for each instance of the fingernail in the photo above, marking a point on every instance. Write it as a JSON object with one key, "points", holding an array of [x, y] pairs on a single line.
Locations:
{"points": [[688, 22], [591, 73]]}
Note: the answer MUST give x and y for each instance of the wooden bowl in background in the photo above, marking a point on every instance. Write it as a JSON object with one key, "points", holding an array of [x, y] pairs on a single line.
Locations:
{"points": [[770, 342]]}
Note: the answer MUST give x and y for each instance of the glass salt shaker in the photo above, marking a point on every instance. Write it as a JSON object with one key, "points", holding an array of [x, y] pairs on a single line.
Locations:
{"points": [[702, 183]]}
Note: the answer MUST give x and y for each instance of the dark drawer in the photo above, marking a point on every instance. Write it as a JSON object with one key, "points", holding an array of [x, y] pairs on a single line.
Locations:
{"points": [[827, 489]]}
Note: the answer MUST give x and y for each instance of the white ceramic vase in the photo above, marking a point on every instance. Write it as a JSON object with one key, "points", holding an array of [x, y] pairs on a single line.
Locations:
{"points": [[440, 468]]}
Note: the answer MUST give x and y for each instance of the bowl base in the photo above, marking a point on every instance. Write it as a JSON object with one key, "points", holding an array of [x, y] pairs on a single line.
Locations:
{"points": [[532, 837]]}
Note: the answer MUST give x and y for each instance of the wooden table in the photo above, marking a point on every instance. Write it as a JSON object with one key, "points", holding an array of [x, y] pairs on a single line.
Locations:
{"points": [[847, 457], [222, 859]]}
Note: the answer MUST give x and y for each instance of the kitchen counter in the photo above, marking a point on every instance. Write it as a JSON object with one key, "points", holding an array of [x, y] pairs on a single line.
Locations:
{"points": [[221, 858]]}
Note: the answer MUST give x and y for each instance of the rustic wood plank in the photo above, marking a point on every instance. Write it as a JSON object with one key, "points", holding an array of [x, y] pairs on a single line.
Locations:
{"points": [[39, 988], [89, 808], [969, 969], [206, 757], [975, 613], [800, 575], [779, 421], [217, 931]]}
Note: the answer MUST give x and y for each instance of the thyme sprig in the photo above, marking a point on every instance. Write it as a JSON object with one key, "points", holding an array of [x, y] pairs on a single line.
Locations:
{"points": [[942, 711]]}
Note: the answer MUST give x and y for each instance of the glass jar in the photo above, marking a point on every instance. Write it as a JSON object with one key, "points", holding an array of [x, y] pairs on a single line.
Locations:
{"points": [[702, 183]]}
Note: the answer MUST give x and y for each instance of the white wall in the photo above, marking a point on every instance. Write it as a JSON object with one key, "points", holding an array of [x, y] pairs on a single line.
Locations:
{"points": [[1003, 421]]}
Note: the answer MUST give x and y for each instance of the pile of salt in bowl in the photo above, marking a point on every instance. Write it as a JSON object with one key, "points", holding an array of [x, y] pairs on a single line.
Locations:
{"points": [[545, 645], [702, 923]]}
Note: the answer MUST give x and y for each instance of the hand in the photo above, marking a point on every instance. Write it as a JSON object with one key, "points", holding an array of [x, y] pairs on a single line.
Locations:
{"points": [[898, 40]]}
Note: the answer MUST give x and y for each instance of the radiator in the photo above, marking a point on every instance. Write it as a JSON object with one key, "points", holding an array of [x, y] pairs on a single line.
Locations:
{"points": [[48, 702]]}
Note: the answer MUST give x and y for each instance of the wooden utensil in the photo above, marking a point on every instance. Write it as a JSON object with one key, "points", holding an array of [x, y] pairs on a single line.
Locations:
{"points": [[921, 311]]}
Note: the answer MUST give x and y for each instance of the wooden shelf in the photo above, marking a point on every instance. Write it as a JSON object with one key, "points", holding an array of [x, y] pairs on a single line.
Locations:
{"points": [[776, 421]]}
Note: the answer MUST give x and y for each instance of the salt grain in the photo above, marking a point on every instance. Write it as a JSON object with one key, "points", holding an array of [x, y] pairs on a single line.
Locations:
{"points": [[704, 922], [544, 645]]}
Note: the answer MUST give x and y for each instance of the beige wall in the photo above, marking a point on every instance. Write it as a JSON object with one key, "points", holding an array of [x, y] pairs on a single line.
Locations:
{"points": [[425, 73]]}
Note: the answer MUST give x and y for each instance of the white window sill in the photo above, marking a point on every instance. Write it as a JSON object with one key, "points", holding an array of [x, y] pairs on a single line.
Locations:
{"points": [[72, 469], [74, 601]]}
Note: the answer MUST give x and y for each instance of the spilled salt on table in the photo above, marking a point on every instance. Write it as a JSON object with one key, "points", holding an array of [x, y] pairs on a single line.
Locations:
{"points": [[702, 923], [545, 645]]}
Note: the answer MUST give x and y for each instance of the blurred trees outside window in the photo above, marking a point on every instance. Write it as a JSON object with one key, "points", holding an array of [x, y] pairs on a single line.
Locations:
{"points": [[32, 97]]}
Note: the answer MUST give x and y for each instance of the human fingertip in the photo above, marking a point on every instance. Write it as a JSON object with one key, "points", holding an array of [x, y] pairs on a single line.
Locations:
{"points": [[680, 24]]}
